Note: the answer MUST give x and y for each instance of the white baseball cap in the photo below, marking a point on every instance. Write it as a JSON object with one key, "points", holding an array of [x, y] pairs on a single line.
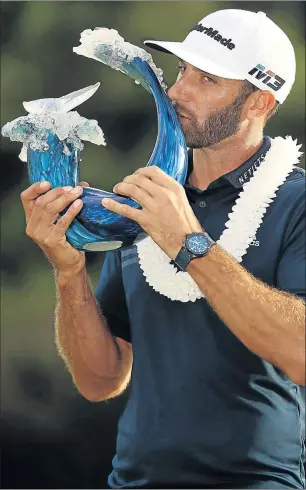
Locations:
{"points": [[239, 45]]}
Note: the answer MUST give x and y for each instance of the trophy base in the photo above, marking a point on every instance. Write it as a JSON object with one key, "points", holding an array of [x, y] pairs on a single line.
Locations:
{"points": [[102, 246]]}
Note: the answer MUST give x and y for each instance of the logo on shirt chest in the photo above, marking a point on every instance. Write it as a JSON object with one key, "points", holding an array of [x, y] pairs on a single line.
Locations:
{"points": [[255, 243], [245, 177]]}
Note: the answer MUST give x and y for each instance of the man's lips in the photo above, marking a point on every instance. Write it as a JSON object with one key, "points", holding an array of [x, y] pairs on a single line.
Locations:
{"points": [[182, 115]]}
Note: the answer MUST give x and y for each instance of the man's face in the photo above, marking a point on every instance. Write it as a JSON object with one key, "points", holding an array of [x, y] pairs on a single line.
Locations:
{"points": [[209, 107]]}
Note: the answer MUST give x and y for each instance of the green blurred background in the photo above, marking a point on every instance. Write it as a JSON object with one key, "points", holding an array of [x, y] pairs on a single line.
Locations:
{"points": [[51, 436]]}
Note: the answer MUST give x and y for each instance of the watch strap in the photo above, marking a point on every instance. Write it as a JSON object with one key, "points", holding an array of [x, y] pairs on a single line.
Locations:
{"points": [[182, 259], [184, 256]]}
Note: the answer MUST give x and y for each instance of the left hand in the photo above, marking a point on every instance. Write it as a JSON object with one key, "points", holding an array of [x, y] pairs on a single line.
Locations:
{"points": [[166, 214]]}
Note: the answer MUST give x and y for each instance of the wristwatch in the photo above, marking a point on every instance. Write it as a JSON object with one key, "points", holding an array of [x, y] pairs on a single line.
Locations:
{"points": [[195, 245]]}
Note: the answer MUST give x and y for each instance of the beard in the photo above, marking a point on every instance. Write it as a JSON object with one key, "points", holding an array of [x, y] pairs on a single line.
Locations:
{"points": [[220, 125]]}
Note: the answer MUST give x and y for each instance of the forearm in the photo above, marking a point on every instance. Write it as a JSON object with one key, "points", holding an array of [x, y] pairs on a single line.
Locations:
{"points": [[98, 363], [271, 323]]}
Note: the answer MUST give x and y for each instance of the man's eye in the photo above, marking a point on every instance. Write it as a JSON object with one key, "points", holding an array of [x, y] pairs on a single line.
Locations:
{"points": [[206, 78], [181, 68]]}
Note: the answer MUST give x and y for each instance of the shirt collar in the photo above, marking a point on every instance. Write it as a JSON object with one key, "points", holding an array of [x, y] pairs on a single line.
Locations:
{"points": [[239, 176]]}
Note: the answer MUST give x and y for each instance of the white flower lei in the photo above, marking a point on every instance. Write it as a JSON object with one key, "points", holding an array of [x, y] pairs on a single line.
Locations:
{"points": [[245, 219]]}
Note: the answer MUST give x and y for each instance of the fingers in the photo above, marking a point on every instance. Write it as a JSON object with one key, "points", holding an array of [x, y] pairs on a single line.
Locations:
{"points": [[133, 191], [53, 204], [61, 227], [29, 195], [42, 202], [124, 209], [143, 182], [159, 177], [47, 208]]}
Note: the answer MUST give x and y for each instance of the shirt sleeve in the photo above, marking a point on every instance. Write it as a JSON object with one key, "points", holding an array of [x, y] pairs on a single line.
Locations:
{"points": [[110, 295], [291, 271]]}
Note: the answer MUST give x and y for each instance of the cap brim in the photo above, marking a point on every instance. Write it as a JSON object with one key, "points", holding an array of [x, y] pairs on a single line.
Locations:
{"points": [[200, 62]]}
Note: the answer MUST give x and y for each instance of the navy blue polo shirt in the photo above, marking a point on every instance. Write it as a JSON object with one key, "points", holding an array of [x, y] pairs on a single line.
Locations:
{"points": [[203, 410]]}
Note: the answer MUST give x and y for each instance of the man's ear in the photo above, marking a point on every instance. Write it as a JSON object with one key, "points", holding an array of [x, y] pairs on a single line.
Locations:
{"points": [[259, 104]]}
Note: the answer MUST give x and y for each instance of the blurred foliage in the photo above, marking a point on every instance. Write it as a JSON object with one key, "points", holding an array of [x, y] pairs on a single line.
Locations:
{"points": [[37, 62]]}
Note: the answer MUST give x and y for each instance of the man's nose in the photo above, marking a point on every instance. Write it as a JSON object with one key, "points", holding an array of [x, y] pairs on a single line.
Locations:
{"points": [[178, 91], [173, 91]]}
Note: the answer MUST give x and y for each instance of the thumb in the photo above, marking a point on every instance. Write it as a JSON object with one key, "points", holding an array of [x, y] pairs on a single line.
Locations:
{"points": [[83, 183]]}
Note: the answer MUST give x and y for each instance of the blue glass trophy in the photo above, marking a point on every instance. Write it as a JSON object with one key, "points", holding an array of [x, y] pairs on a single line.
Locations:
{"points": [[52, 136]]}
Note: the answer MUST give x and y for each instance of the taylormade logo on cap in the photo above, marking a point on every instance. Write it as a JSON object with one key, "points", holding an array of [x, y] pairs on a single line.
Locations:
{"points": [[209, 31], [238, 45]]}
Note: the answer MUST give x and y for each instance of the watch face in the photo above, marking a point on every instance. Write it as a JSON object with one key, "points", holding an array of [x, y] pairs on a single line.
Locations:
{"points": [[197, 244]]}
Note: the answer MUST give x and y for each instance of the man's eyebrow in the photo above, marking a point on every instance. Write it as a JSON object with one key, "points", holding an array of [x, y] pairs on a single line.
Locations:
{"points": [[201, 71], [209, 74], [214, 77]]}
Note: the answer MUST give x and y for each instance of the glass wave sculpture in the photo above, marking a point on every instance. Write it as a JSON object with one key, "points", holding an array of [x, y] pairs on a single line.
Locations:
{"points": [[52, 137]]}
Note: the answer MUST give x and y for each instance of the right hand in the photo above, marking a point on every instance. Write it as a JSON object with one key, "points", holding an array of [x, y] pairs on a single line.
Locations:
{"points": [[41, 212]]}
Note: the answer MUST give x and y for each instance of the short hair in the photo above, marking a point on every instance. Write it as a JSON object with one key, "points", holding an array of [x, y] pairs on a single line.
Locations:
{"points": [[247, 88]]}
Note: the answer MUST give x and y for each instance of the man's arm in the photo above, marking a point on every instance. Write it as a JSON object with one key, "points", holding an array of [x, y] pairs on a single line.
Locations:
{"points": [[99, 363], [271, 323]]}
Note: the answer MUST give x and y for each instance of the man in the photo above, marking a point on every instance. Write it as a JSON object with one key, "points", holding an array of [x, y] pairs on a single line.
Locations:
{"points": [[216, 387]]}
